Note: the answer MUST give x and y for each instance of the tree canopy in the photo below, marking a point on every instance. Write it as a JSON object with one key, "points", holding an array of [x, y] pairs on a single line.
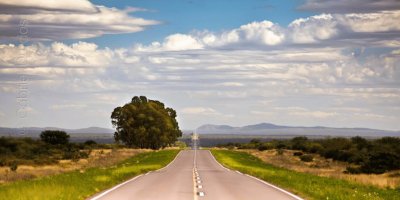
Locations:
{"points": [[145, 123], [54, 137]]}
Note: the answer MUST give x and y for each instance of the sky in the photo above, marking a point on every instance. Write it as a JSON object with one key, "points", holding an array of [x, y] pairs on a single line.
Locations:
{"points": [[68, 64]]}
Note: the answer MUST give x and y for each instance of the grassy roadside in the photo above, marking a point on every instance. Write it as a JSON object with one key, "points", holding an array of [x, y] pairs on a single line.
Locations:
{"points": [[82, 184], [322, 166], [305, 185], [96, 158]]}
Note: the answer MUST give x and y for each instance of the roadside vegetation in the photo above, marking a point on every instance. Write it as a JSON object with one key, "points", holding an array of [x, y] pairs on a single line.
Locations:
{"points": [[305, 185], [52, 147], [27, 158], [99, 157], [363, 156], [321, 166], [80, 184]]}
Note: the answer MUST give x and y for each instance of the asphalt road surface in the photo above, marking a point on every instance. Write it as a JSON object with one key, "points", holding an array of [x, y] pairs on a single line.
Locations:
{"points": [[195, 175]]}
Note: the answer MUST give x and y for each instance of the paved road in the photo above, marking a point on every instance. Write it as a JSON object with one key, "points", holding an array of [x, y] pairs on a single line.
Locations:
{"points": [[194, 175]]}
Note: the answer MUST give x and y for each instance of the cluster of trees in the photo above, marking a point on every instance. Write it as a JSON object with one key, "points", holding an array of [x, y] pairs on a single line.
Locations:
{"points": [[145, 123], [142, 123], [367, 156], [52, 146], [55, 137]]}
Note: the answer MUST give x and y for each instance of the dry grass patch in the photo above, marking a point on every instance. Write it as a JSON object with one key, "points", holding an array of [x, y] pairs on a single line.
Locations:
{"points": [[326, 167], [97, 158]]}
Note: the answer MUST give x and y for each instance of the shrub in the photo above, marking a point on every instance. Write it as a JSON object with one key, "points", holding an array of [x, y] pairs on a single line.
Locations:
{"points": [[299, 143], [54, 137], [44, 161], [14, 166], [230, 147], [90, 143], [180, 144], [264, 146], [298, 153], [380, 162], [83, 154], [72, 153], [345, 156], [306, 158], [360, 142], [315, 148], [281, 145], [255, 141], [353, 170]]}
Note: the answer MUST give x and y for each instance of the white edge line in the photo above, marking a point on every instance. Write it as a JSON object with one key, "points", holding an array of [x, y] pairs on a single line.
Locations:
{"points": [[262, 181], [115, 187], [132, 179], [218, 162], [170, 162], [275, 187]]}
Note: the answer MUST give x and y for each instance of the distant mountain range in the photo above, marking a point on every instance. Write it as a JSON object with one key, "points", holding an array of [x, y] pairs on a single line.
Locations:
{"points": [[35, 131], [101, 135], [272, 129], [266, 129]]}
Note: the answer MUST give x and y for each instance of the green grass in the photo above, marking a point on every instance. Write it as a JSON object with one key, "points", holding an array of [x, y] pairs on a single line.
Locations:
{"points": [[305, 185], [80, 185]]}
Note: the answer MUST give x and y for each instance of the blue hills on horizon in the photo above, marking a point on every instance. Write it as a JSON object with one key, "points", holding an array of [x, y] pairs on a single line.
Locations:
{"points": [[254, 129], [273, 129]]}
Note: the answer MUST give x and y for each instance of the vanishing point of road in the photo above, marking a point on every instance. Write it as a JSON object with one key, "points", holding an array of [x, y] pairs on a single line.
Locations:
{"points": [[195, 175]]}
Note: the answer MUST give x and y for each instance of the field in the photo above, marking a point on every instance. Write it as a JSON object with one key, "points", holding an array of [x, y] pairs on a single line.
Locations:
{"points": [[80, 184], [326, 167], [306, 185], [96, 158]]}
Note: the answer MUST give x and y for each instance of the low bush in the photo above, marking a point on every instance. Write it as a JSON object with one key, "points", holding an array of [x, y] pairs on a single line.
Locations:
{"points": [[353, 170], [306, 158], [298, 153], [265, 146], [90, 143], [14, 166]]}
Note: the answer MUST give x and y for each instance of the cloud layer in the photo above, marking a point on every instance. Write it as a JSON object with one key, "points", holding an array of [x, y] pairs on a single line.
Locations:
{"points": [[380, 28], [337, 69], [350, 6], [63, 19]]}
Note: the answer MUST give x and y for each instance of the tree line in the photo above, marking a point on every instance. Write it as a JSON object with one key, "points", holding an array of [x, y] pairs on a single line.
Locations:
{"points": [[365, 156], [52, 146]]}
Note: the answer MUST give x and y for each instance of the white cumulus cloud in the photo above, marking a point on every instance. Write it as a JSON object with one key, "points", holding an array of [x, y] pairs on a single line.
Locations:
{"points": [[313, 29], [63, 19]]}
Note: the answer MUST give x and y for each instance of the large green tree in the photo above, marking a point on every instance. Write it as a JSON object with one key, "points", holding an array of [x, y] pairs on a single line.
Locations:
{"points": [[145, 123]]}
